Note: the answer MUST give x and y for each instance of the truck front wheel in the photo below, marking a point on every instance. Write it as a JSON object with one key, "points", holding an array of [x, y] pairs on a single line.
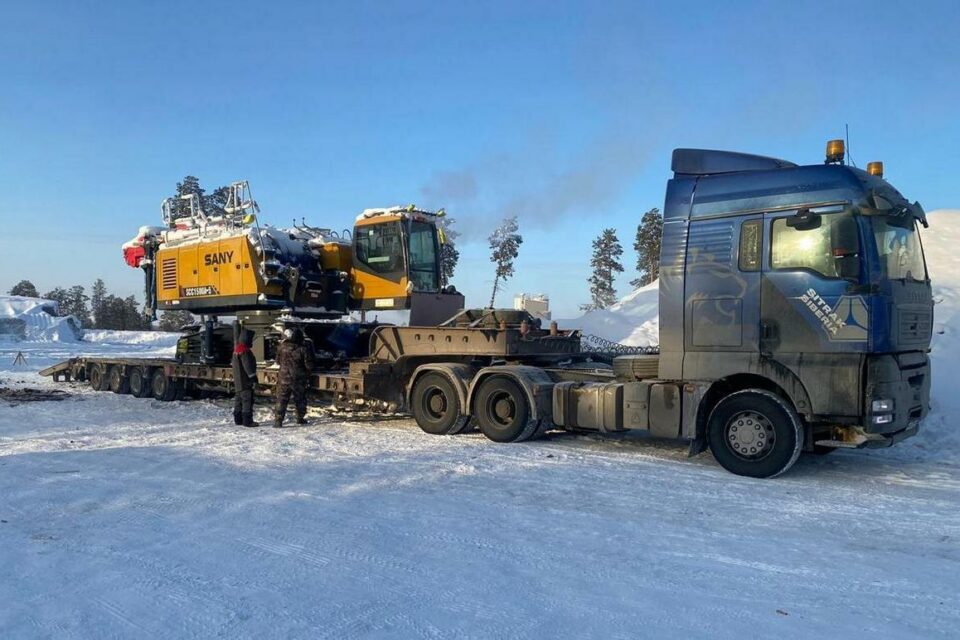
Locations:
{"points": [[755, 433], [435, 405]]}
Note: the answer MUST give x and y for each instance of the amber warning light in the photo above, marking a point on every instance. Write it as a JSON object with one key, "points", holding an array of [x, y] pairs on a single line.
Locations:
{"points": [[875, 169], [835, 152]]}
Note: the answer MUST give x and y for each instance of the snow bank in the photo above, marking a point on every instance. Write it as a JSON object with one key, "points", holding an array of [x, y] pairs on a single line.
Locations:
{"points": [[147, 338], [36, 320], [633, 321]]}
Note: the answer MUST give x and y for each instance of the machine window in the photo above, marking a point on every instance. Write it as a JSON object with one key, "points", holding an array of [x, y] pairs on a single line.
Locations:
{"points": [[750, 233], [380, 247], [423, 256], [830, 247]]}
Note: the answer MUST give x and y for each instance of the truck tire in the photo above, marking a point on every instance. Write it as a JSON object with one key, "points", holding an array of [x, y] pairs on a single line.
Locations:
{"points": [[164, 389], [139, 381], [503, 411], [98, 381], [435, 405], [119, 383], [755, 433]]}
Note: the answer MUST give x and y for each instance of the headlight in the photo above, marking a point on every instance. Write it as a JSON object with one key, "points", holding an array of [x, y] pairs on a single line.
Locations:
{"points": [[880, 406], [882, 419]]}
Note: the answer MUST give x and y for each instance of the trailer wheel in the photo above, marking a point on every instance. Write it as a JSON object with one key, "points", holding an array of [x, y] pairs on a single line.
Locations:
{"points": [[164, 388], [98, 381], [119, 383], [755, 433], [139, 382], [435, 405], [503, 412]]}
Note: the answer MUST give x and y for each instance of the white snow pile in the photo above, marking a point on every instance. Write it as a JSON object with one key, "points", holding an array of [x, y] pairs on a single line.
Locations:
{"points": [[36, 320], [633, 321], [146, 338]]}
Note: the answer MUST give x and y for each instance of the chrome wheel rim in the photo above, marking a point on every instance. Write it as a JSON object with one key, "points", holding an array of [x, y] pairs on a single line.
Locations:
{"points": [[750, 435]]}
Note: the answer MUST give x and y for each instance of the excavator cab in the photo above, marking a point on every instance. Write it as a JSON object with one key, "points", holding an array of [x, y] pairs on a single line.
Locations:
{"points": [[396, 265]]}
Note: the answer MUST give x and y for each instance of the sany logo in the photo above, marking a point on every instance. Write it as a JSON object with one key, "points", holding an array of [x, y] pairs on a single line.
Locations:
{"points": [[846, 320], [222, 257]]}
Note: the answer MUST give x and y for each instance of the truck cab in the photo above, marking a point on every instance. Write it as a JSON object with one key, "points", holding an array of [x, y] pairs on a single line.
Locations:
{"points": [[806, 282]]}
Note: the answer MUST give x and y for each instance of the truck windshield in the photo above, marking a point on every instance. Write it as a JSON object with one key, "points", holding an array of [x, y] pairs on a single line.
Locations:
{"points": [[423, 256], [899, 248]]}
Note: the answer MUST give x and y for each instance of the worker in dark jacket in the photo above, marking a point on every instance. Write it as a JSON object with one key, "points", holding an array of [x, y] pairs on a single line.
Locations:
{"points": [[244, 379], [295, 360]]}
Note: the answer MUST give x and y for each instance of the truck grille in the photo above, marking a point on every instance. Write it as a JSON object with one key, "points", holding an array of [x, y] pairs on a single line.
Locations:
{"points": [[168, 274], [915, 326]]}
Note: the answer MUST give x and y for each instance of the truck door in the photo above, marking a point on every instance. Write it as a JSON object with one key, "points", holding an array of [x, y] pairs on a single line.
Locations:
{"points": [[814, 322], [722, 290]]}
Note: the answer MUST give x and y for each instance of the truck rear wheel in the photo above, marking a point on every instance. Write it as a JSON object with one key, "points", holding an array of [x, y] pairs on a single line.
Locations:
{"points": [[435, 405], [98, 381], [139, 382], [755, 433], [164, 388], [503, 411], [119, 383]]}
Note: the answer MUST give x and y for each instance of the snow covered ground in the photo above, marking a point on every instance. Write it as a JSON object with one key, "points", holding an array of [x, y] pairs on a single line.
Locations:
{"points": [[130, 518]]}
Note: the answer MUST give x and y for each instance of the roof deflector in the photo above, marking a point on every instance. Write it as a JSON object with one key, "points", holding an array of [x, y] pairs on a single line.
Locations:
{"points": [[706, 161]]}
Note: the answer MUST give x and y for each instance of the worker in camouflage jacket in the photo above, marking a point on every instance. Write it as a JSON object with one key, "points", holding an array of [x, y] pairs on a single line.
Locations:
{"points": [[295, 360], [244, 378]]}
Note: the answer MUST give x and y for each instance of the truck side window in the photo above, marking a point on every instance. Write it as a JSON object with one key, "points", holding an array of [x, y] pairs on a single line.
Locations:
{"points": [[824, 249], [750, 233]]}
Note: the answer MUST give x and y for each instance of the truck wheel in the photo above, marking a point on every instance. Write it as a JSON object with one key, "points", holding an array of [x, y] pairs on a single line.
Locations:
{"points": [[755, 433], [164, 388], [503, 412], [139, 382], [435, 405], [98, 381], [119, 383]]}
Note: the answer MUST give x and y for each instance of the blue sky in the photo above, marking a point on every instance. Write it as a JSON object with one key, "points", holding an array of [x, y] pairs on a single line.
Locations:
{"points": [[561, 113]]}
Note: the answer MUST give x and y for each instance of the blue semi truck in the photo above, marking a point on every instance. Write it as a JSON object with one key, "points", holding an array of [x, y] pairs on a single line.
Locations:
{"points": [[795, 311], [795, 315]]}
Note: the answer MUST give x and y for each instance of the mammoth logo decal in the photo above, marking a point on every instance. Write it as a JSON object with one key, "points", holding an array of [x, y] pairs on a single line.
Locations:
{"points": [[847, 320]]}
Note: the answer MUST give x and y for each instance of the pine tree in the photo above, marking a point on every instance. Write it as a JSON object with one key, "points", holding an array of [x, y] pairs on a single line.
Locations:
{"points": [[449, 256], [61, 297], [175, 320], [504, 246], [24, 288], [77, 300], [133, 319], [213, 204], [606, 264], [189, 185], [98, 297], [647, 246]]}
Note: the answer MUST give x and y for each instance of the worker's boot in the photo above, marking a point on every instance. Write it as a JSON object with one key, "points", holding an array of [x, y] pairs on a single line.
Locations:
{"points": [[237, 418], [301, 419], [248, 420], [278, 420]]}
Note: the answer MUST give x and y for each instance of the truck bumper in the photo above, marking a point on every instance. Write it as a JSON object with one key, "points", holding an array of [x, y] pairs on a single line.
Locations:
{"points": [[904, 379]]}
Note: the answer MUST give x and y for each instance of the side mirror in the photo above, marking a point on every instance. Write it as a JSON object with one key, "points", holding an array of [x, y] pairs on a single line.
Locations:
{"points": [[848, 267], [804, 220]]}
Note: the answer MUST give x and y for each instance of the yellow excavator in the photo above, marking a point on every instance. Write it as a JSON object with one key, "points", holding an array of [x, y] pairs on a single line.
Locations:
{"points": [[228, 264]]}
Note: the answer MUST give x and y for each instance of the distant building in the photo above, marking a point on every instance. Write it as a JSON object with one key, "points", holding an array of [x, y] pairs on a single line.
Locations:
{"points": [[537, 304]]}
